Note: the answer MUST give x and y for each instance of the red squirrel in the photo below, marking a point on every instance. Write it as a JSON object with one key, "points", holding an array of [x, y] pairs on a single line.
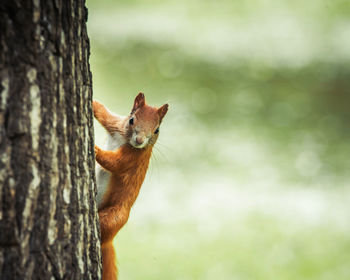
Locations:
{"points": [[122, 168]]}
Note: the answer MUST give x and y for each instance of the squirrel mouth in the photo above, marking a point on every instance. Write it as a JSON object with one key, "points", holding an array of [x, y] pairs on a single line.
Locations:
{"points": [[138, 141], [138, 146]]}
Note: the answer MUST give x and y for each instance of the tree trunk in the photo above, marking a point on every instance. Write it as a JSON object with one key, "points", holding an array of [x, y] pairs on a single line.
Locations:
{"points": [[48, 214]]}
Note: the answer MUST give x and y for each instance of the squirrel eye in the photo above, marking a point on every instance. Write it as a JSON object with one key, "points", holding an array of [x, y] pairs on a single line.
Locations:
{"points": [[157, 131], [131, 121]]}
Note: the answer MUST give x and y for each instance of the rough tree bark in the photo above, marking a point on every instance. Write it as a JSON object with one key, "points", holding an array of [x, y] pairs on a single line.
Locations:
{"points": [[48, 215]]}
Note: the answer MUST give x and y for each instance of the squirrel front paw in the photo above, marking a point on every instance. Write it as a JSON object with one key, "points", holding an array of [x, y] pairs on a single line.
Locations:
{"points": [[97, 149], [96, 106]]}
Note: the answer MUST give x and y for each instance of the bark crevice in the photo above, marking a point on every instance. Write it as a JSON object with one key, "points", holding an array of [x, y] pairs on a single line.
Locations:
{"points": [[48, 214]]}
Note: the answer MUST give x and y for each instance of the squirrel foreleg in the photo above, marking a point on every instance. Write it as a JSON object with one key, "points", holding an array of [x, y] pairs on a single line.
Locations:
{"points": [[109, 121], [107, 159]]}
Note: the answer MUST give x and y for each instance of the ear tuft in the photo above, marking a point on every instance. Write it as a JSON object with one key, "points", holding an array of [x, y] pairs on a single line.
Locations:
{"points": [[162, 111], [139, 102]]}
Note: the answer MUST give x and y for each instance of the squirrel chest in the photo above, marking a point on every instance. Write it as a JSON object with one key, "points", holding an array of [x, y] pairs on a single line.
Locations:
{"points": [[122, 187]]}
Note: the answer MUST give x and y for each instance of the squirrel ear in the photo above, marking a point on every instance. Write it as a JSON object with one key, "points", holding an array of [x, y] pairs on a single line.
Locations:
{"points": [[139, 102], [162, 111]]}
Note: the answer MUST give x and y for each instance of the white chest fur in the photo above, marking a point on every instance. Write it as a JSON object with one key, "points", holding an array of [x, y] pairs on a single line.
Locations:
{"points": [[102, 175]]}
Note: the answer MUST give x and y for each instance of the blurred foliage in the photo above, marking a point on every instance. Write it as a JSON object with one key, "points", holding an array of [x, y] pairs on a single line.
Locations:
{"points": [[258, 128], [278, 252], [282, 106]]}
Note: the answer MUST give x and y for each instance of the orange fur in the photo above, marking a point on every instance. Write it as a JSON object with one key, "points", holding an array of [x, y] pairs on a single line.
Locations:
{"points": [[112, 123], [127, 166], [109, 262]]}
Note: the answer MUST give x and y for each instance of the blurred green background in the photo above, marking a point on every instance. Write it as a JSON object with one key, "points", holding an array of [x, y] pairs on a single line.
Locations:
{"points": [[250, 176]]}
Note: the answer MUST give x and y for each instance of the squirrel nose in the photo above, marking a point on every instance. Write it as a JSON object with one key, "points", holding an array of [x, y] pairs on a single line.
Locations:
{"points": [[139, 140]]}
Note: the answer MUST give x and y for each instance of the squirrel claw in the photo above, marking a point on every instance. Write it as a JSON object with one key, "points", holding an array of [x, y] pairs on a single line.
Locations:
{"points": [[96, 150], [94, 106]]}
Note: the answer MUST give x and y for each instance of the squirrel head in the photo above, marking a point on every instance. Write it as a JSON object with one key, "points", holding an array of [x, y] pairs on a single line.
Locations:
{"points": [[143, 123]]}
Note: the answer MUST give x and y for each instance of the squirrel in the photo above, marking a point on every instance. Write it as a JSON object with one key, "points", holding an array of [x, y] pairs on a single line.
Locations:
{"points": [[122, 168]]}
